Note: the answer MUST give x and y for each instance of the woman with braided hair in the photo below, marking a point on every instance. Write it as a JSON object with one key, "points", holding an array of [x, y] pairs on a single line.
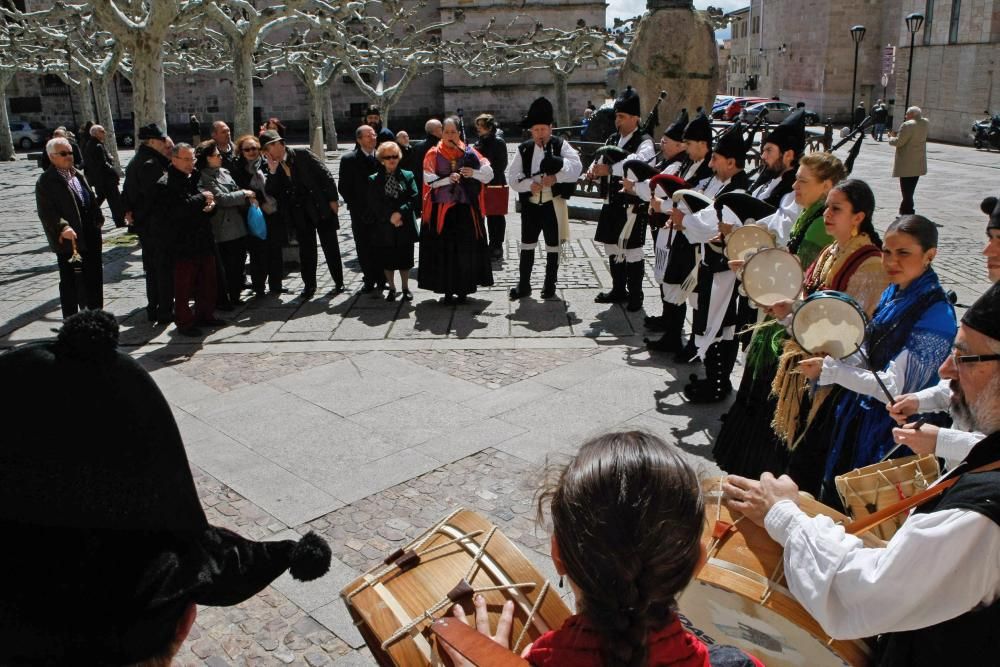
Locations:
{"points": [[627, 515]]}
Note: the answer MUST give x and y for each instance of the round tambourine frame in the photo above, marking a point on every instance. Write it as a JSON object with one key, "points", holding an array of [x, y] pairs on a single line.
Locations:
{"points": [[829, 322]]}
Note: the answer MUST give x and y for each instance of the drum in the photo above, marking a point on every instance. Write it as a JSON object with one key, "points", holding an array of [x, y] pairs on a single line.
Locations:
{"points": [[772, 275], [739, 597], [496, 199], [745, 241], [394, 604], [829, 322], [866, 490]]}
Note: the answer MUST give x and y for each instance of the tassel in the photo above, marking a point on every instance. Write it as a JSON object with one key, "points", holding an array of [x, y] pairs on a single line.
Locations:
{"points": [[560, 581]]}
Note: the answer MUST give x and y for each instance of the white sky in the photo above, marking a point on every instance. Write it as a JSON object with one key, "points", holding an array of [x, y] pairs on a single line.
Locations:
{"points": [[629, 8]]}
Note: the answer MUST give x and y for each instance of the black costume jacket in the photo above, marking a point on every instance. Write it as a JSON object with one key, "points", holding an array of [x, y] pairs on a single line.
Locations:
{"points": [[614, 213]]}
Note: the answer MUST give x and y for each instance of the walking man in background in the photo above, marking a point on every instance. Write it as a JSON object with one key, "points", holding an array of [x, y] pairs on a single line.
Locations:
{"points": [[910, 162]]}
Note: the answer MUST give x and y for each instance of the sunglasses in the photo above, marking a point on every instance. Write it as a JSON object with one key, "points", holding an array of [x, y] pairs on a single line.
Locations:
{"points": [[63, 153], [391, 157], [251, 149]]}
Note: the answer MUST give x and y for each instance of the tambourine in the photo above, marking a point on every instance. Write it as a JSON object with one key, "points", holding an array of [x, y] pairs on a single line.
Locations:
{"points": [[772, 275], [744, 241], [829, 322]]}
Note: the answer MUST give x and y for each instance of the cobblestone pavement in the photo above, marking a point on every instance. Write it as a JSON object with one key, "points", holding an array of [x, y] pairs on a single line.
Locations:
{"points": [[368, 421]]}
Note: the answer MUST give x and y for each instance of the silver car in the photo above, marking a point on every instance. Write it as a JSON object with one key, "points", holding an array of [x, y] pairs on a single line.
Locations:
{"points": [[27, 134], [776, 112]]}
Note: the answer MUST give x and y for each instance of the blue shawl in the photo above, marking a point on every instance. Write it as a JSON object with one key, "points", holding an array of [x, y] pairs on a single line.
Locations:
{"points": [[918, 319]]}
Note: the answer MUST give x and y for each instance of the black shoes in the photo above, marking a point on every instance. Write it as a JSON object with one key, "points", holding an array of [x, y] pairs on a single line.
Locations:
{"points": [[213, 322], [519, 292], [611, 297], [391, 294], [407, 295], [549, 291], [307, 293], [707, 390], [191, 332]]}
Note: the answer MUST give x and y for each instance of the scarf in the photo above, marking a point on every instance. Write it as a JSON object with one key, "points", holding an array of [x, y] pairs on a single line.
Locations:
{"points": [[578, 644], [392, 186], [903, 320], [69, 175], [454, 155], [789, 385]]}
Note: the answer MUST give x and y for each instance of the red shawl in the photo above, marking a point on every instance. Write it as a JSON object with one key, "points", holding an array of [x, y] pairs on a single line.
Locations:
{"points": [[454, 155]]}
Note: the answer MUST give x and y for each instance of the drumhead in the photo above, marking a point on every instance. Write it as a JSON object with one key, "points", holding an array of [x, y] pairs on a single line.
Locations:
{"points": [[829, 323], [746, 240], [772, 275]]}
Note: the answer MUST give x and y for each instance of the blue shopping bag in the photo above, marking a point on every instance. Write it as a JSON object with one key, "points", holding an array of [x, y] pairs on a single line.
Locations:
{"points": [[255, 222]]}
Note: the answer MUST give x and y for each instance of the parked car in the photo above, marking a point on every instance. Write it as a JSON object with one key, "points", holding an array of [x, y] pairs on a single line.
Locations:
{"points": [[738, 104], [125, 132], [28, 134], [776, 112], [720, 104]]}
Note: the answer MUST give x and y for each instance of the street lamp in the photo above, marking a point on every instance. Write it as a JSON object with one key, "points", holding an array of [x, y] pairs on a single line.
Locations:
{"points": [[913, 23], [857, 34]]}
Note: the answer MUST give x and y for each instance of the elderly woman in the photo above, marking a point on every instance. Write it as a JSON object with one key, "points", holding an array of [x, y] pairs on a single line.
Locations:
{"points": [[229, 220], [392, 202], [266, 262], [454, 253]]}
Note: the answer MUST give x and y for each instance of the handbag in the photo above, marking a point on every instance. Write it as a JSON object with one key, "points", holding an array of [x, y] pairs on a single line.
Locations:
{"points": [[255, 222], [496, 199]]}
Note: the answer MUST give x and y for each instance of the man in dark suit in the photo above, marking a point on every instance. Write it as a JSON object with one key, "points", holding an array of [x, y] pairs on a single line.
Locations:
{"points": [[373, 119], [71, 216], [148, 164], [355, 168], [307, 195], [102, 174], [433, 130]]}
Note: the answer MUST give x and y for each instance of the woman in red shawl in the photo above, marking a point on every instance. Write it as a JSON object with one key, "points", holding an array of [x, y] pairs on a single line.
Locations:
{"points": [[454, 254]]}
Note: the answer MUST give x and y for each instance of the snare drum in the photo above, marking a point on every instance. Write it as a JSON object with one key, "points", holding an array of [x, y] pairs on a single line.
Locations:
{"points": [[394, 604], [739, 597], [829, 322], [745, 241], [866, 490], [772, 275]]}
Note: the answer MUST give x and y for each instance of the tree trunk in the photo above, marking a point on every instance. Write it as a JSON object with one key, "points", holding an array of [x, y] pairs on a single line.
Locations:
{"points": [[106, 117], [315, 114], [562, 98], [81, 91], [329, 127], [6, 138], [148, 96], [243, 88]]}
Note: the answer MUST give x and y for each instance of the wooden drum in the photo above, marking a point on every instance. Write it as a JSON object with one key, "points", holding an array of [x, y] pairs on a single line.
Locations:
{"points": [[739, 597], [866, 490], [394, 604]]}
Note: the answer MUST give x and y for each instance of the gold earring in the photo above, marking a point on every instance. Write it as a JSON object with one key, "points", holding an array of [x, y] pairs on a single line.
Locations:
{"points": [[854, 232]]}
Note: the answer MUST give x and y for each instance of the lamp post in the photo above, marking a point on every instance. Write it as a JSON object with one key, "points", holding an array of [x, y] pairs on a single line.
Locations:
{"points": [[857, 34], [913, 23]]}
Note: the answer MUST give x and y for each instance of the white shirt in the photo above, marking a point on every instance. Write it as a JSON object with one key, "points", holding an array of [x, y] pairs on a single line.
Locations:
{"points": [[568, 174], [645, 152], [939, 565], [642, 188], [780, 222], [703, 226], [952, 445]]}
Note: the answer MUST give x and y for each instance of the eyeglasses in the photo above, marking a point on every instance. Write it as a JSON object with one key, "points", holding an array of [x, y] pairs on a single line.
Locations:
{"points": [[251, 149], [972, 358], [63, 153], [186, 159], [391, 157]]}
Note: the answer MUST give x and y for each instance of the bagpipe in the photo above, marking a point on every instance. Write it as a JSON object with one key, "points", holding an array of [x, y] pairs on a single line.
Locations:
{"points": [[612, 154]]}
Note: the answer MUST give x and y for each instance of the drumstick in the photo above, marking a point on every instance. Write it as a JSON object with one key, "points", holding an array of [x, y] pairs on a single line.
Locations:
{"points": [[916, 427]]}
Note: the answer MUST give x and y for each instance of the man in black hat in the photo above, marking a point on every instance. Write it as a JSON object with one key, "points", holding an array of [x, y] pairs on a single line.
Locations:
{"points": [[355, 168], [679, 274], [779, 154], [145, 168], [373, 119], [108, 549], [945, 554], [71, 216], [307, 192], [543, 173], [622, 223], [714, 323]]}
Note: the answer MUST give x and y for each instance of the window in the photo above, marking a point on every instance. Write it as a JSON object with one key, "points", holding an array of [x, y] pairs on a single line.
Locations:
{"points": [[928, 21], [756, 25], [26, 105], [956, 9]]}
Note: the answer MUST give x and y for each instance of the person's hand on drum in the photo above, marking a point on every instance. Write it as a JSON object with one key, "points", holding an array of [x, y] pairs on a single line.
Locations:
{"points": [[755, 499], [736, 265], [922, 441], [811, 368], [725, 228], [905, 405], [781, 309], [502, 635]]}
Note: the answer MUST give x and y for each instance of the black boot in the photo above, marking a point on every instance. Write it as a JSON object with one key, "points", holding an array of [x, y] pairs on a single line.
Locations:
{"points": [[618, 281], [673, 328], [551, 271], [524, 282], [634, 273], [686, 355], [716, 385]]}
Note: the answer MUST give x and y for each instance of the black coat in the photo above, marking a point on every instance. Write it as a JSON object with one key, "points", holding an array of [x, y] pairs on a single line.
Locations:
{"points": [[179, 221], [420, 149], [355, 168], [494, 149], [305, 196], [58, 206], [100, 167], [141, 175], [381, 207]]}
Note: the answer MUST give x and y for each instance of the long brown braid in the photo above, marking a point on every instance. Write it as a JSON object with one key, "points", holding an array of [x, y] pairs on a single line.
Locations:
{"points": [[627, 514]]}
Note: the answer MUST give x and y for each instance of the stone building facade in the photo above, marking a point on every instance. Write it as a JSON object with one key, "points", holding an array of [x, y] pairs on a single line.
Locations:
{"points": [[801, 50], [433, 93]]}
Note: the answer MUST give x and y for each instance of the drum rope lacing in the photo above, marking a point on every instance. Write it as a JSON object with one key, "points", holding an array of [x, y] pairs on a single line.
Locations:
{"points": [[461, 591]]}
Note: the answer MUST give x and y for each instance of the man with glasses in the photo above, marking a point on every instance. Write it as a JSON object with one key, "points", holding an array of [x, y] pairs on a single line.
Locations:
{"points": [[933, 592], [307, 193], [71, 215], [950, 444]]}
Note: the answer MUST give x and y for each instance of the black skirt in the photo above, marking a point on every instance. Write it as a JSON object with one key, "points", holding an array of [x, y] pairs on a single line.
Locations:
{"points": [[457, 260], [394, 245]]}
